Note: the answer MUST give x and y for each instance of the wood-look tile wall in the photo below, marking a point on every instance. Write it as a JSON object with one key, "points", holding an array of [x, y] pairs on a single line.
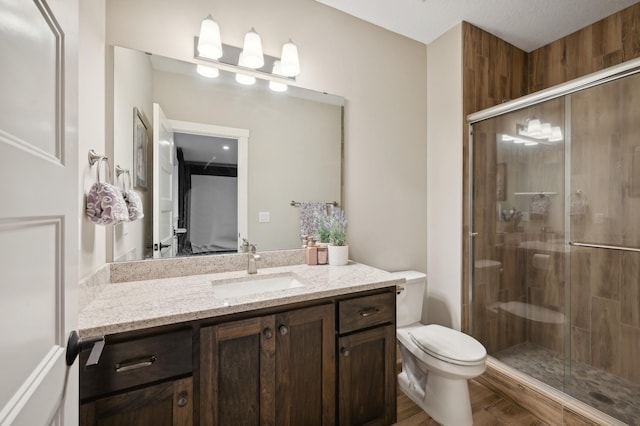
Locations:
{"points": [[608, 42]]}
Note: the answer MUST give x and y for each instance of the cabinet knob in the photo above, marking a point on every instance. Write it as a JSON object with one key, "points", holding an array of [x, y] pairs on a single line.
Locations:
{"points": [[344, 351], [267, 333], [283, 330], [182, 400]]}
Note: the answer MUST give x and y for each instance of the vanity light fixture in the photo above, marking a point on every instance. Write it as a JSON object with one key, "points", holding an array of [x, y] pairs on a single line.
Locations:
{"points": [[206, 71], [274, 85], [252, 50], [209, 42], [248, 62]]}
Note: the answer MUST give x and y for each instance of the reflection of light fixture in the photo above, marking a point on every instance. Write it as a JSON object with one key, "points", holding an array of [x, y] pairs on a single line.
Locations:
{"points": [[252, 50], [209, 42], [290, 63], [556, 134], [274, 85], [225, 147], [241, 78], [209, 72], [535, 129]]}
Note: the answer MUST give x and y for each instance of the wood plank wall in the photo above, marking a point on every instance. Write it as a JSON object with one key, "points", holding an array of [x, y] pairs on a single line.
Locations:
{"points": [[608, 42], [495, 71]]}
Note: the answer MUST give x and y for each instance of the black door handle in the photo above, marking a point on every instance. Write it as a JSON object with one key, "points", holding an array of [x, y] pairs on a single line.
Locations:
{"points": [[160, 246], [75, 345]]}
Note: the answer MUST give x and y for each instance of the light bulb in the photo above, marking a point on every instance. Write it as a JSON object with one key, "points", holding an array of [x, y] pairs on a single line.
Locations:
{"points": [[534, 127], [209, 43], [252, 50], [290, 63]]}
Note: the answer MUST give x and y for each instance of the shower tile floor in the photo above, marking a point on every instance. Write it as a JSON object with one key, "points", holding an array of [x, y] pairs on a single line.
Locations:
{"points": [[607, 392]]}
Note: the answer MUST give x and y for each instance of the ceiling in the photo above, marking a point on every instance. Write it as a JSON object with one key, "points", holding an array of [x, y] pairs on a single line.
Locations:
{"points": [[527, 24]]}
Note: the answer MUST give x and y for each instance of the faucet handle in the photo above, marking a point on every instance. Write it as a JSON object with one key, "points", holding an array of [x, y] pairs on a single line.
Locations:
{"points": [[252, 248]]}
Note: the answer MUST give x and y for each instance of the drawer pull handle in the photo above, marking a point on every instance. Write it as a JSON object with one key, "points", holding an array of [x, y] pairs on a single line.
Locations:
{"points": [[134, 364], [368, 312]]}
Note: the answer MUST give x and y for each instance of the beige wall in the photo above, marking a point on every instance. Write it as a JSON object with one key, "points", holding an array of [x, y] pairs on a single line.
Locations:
{"points": [[91, 127], [382, 76], [444, 179]]}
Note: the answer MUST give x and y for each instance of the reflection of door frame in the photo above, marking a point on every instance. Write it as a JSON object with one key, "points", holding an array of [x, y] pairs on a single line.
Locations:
{"points": [[242, 136]]}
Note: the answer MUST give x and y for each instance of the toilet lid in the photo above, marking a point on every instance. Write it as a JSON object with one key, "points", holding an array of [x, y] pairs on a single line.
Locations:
{"points": [[448, 344]]}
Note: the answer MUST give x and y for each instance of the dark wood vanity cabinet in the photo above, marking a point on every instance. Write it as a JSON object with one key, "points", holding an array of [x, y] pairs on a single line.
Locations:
{"points": [[326, 362], [271, 370], [366, 360]]}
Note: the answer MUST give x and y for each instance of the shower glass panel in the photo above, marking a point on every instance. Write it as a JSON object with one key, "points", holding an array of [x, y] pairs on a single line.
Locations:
{"points": [[555, 243]]}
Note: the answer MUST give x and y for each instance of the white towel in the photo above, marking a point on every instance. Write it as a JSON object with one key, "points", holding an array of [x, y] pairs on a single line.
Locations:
{"points": [[105, 205], [134, 204]]}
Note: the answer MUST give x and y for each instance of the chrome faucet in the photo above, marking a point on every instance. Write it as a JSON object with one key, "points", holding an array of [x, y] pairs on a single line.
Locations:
{"points": [[253, 257]]}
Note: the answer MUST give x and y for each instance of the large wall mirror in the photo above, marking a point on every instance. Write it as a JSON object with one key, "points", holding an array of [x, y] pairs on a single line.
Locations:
{"points": [[222, 161]]}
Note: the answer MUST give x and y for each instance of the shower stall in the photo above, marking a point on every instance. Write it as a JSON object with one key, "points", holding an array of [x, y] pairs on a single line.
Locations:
{"points": [[554, 241]]}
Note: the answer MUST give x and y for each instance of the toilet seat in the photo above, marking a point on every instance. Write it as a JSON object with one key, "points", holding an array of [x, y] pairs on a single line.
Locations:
{"points": [[449, 345]]}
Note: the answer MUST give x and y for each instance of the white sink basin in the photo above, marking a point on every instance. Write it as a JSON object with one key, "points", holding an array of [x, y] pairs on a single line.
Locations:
{"points": [[253, 285]]}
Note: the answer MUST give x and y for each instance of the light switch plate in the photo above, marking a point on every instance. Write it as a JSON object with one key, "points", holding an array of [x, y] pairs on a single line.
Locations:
{"points": [[264, 217]]}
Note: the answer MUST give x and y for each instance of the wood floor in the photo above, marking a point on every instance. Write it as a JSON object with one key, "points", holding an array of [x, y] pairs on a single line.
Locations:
{"points": [[488, 408]]}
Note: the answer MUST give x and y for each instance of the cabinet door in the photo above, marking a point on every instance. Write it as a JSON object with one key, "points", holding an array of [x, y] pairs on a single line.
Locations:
{"points": [[237, 373], [167, 404], [305, 366], [367, 381]]}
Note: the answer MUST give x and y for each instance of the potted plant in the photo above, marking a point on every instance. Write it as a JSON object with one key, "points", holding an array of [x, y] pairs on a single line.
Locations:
{"points": [[338, 248]]}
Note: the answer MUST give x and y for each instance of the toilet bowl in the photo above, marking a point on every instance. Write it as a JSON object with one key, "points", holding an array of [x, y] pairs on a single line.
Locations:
{"points": [[436, 361]]}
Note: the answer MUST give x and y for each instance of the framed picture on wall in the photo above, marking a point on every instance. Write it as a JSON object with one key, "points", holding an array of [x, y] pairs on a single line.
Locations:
{"points": [[140, 148]]}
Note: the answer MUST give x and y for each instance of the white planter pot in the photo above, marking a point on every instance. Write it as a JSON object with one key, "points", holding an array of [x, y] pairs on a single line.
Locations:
{"points": [[338, 255]]}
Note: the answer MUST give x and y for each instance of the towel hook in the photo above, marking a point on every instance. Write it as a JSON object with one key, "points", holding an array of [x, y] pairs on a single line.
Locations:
{"points": [[96, 158]]}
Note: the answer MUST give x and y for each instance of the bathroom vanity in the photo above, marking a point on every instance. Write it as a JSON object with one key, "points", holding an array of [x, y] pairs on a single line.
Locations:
{"points": [[227, 348]]}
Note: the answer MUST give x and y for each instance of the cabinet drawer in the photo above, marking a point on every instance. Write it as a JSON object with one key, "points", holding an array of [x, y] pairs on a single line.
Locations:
{"points": [[136, 362], [366, 311]]}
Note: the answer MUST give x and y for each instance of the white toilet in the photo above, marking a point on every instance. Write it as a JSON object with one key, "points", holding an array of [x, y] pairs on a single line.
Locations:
{"points": [[436, 361]]}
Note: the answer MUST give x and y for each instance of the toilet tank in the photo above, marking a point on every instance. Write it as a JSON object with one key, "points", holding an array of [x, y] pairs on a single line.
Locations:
{"points": [[409, 300]]}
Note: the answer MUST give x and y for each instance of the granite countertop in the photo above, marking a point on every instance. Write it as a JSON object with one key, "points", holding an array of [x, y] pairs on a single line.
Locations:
{"points": [[136, 305]]}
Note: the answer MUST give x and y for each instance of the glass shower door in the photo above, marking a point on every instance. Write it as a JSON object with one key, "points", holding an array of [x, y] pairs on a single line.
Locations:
{"points": [[519, 255]]}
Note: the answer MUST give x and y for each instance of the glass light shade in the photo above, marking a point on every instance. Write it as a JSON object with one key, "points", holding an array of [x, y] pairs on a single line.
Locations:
{"points": [[209, 42], [275, 85], [252, 50], [545, 130], [507, 138], [517, 140], [247, 80], [209, 72], [556, 134], [534, 127], [290, 63]]}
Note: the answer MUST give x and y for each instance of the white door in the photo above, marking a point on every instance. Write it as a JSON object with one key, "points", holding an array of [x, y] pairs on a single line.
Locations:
{"points": [[163, 160], [38, 210]]}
